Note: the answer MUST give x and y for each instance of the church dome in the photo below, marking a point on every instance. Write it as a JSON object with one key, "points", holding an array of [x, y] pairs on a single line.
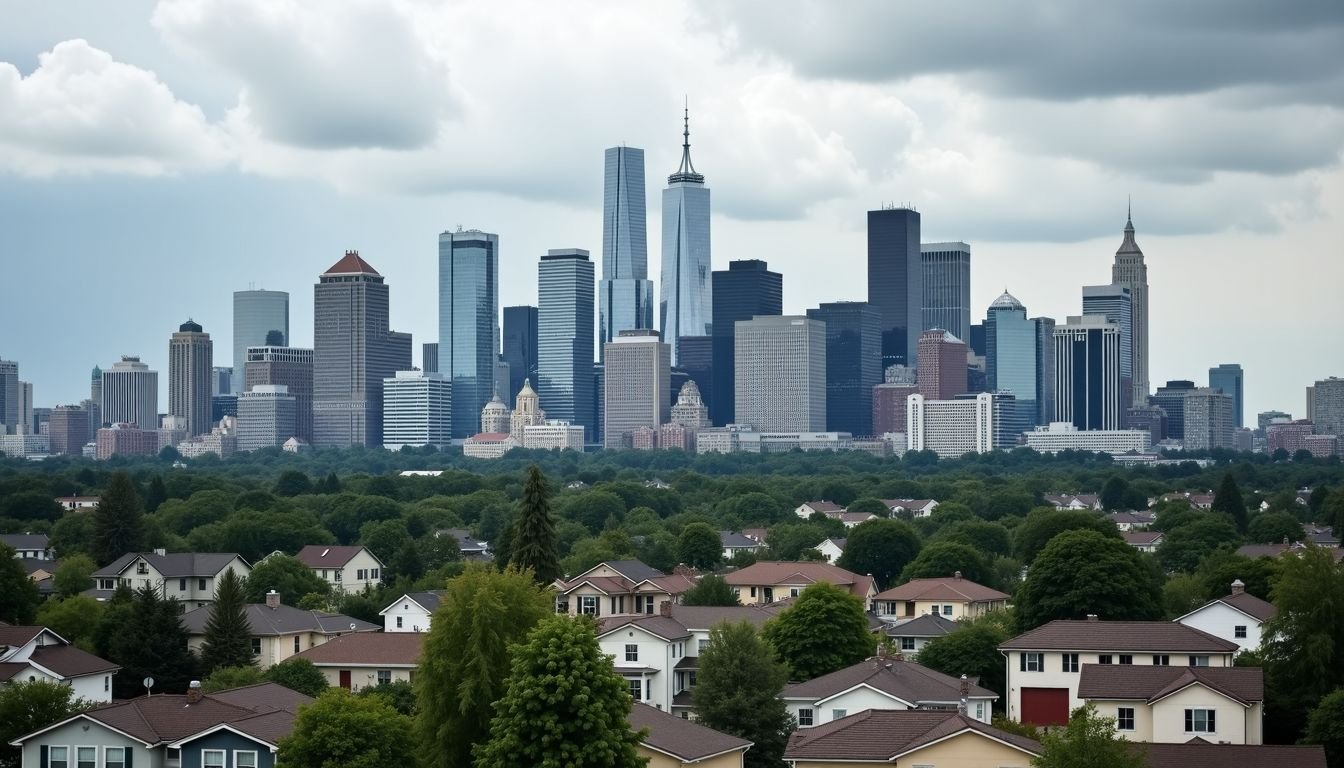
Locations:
{"points": [[1007, 301]]}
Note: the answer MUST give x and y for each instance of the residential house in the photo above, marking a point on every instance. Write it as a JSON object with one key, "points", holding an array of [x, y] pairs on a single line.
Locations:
{"points": [[619, 587], [909, 738], [657, 484], [1132, 521], [951, 598], [851, 519], [28, 546], [734, 542], [1320, 535], [171, 731], [1239, 617], [831, 549], [675, 742], [769, 580], [363, 659], [41, 571], [187, 577], [1173, 705], [809, 508], [411, 612], [910, 507], [1196, 500], [1044, 664], [69, 503], [1199, 753], [755, 534], [346, 569], [37, 653], [1279, 550], [883, 683], [1144, 541], [911, 635], [279, 631], [470, 547], [1063, 501]]}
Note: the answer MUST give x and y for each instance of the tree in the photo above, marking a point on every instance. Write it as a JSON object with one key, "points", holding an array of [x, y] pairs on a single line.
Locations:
{"points": [[989, 538], [972, 650], [349, 731], [1182, 548], [19, 595], [331, 484], [287, 576], [575, 718], [942, 559], [534, 538], [155, 494], [224, 678], [738, 691], [293, 483], [1217, 571], [1228, 500], [1084, 572], [30, 506], [1303, 645], [788, 540], [1088, 741], [1113, 492], [118, 520], [73, 534], [824, 630], [699, 546], [870, 506], [27, 706], [711, 589], [299, 675], [1043, 524], [152, 643], [399, 694], [1325, 726], [74, 618], [466, 658], [228, 634], [74, 575], [880, 548], [1274, 527]]}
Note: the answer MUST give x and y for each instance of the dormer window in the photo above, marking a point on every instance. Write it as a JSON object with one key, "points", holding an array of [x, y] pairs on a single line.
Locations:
{"points": [[141, 568]]}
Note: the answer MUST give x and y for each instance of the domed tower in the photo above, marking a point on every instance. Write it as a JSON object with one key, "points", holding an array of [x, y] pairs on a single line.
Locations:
{"points": [[495, 417], [690, 410], [526, 411]]}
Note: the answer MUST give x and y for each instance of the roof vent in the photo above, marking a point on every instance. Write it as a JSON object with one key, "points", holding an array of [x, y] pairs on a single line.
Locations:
{"points": [[324, 552], [1092, 617], [1238, 587]]}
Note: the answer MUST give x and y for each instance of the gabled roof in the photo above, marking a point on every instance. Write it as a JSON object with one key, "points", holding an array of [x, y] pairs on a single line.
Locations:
{"points": [[772, 572], [1141, 537], [267, 728], [428, 600], [955, 589], [705, 617], [908, 503], [324, 556], [735, 540], [1141, 636], [282, 620], [1133, 518], [13, 636], [927, 625], [67, 661], [1202, 754], [368, 649], [173, 565], [1245, 685], [905, 680], [823, 506], [881, 735], [664, 627], [633, 570], [685, 740], [26, 540], [1244, 602]]}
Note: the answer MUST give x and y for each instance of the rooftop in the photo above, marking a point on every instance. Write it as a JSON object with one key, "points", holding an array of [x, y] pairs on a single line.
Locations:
{"points": [[1096, 635], [368, 649], [1150, 683], [282, 620], [955, 588], [172, 565], [351, 264], [686, 740], [882, 735], [905, 680], [328, 556]]}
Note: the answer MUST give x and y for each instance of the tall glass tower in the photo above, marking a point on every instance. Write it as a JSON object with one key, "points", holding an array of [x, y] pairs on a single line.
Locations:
{"points": [[520, 348], [255, 314], [744, 290], [853, 364], [896, 282], [1116, 303], [468, 322], [1129, 269], [625, 294], [686, 305], [947, 288], [565, 337]]}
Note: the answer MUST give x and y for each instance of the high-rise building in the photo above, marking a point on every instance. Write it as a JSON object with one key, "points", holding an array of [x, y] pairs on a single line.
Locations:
{"points": [[942, 365], [565, 336], [353, 352], [1208, 420], [190, 362], [221, 381], [417, 410], [1087, 372], [685, 307], [130, 392], [94, 405], [267, 417], [780, 374], [896, 281], [1129, 270], [744, 290], [429, 357], [24, 425], [637, 377], [889, 407], [697, 363], [292, 368], [527, 412], [977, 340], [1264, 418], [625, 294], [255, 314], [468, 322], [947, 287], [1328, 406], [9, 397], [520, 348], [1227, 378], [853, 363], [1171, 399], [68, 430], [1011, 364], [1149, 418], [1290, 436], [123, 439], [1115, 303], [953, 427], [496, 418], [1045, 368]]}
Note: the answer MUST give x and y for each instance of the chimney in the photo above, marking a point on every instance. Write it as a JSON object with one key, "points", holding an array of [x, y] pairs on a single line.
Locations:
{"points": [[665, 608], [272, 599], [160, 551], [194, 692], [964, 696], [1092, 617], [957, 575], [1238, 587]]}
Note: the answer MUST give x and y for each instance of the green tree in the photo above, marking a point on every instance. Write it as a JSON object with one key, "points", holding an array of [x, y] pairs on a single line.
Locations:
{"points": [[19, 595], [1325, 726], [1218, 570], [972, 649], [466, 659], [153, 643], [738, 691], [299, 675], [74, 574], [1085, 572], [788, 540], [699, 546], [228, 634], [1114, 492], [287, 576], [943, 559], [74, 618], [711, 589], [73, 534], [117, 612], [224, 678], [880, 548], [1043, 524], [1229, 501], [1088, 741], [347, 731], [869, 505], [1274, 527], [27, 706], [155, 494], [824, 630], [989, 538], [293, 483], [576, 718], [1182, 548], [30, 506], [400, 694], [1303, 645], [118, 520], [331, 484], [534, 537]]}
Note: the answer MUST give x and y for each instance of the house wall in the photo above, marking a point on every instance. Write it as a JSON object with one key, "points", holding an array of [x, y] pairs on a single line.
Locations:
{"points": [[188, 590], [363, 676], [1053, 675], [829, 550], [964, 751], [1230, 719], [73, 735], [413, 617], [229, 742], [274, 648], [92, 687], [350, 581], [863, 698], [1221, 620], [661, 760], [654, 653], [1143, 717]]}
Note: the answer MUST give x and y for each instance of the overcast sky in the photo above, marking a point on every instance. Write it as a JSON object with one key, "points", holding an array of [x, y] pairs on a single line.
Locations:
{"points": [[157, 156]]}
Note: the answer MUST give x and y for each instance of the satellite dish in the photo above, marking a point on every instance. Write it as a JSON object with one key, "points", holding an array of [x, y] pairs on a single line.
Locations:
{"points": [[352, 625], [148, 683]]}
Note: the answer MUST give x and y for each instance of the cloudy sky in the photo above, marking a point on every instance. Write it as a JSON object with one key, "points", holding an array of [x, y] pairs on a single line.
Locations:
{"points": [[157, 156]]}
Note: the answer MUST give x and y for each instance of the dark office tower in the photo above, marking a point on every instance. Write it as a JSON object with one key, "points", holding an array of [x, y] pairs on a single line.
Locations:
{"points": [[697, 362], [468, 322], [565, 337], [947, 287], [190, 361], [1087, 373], [1150, 419], [1171, 399], [1116, 303], [256, 314], [291, 367], [520, 348], [352, 354], [1227, 378], [9, 397], [1045, 369], [68, 430], [896, 281], [429, 357], [745, 290], [625, 294], [853, 364], [977, 339]]}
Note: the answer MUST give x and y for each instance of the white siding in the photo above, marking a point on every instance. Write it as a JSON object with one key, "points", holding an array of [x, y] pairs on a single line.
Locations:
{"points": [[1221, 620]]}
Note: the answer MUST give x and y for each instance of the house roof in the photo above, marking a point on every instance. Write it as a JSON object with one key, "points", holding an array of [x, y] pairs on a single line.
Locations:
{"points": [[907, 503], [1133, 518], [735, 540], [706, 617], [1141, 537], [1245, 602], [282, 620], [15, 636], [263, 697], [686, 740], [26, 540], [672, 583], [1150, 683], [368, 649], [633, 570], [855, 517], [1276, 550], [268, 728], [955, 588], [173, 565], [466, 543], [772, 572], [429, 600], [69, 661], [823, 506], [1202, 754], [882, 734], [663, 626], [1090, 635], [902, 679], [324, 556], [927, 625]]}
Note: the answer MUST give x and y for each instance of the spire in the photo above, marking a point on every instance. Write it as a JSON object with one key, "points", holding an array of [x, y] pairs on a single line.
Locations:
{"points": [[686, 171], [1129, 245]]}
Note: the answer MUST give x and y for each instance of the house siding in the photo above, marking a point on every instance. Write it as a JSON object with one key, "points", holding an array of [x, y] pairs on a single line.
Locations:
{"points": [[661, 760], [73, 735], [413, 617], [654, 653], [963, 751], [1221, 620], [362, 676], [229, 742]]}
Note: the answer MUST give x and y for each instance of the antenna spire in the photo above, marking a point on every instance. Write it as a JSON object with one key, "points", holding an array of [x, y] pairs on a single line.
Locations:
{"points": [[686, 171]]}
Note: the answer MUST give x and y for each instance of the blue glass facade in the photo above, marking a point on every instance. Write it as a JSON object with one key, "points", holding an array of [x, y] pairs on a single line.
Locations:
{"points": [[255, 313], [520, 348], [1227, 378], [1010, 355], [565, 337], [853, 364], [625, 294], [896, 282], [686, 305], [468, 322]]}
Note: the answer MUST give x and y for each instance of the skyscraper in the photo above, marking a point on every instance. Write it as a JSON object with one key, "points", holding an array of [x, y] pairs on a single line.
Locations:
{"points": [[697, 363], [1019, 359], [468, 322], [1045, 368], [947, 288], [429, 357], [853, 364], [942, 365], [685, 307], [291, 368], [1227, 378], [353, 352], [130, 394], [1327, 406], [1171, 399], [1130, 270], [9, 397], [255, 314], [565, 336], [1087, 372], [625, 294], [896, 281], [417, 410], [1208, 420], [267, 417], [780, 374], [1115, 302], [745, 290], [68, 430], [637, 377], [190, 360], [520, 348]]}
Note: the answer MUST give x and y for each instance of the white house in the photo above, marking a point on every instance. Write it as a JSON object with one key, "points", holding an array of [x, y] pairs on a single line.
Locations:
{"points": [[809, 508], [1132, 521], [347, 569], [37, 653], [188, 577], [411, 612], [831, 549], [1238, 618], [77, 502], [911, 635], [734, 542], [365, 659], [952, 598], [911, 507], [1144, 541], [1063, 501], [279, 631], [1172, 705], [28, 546], [883, 683]]}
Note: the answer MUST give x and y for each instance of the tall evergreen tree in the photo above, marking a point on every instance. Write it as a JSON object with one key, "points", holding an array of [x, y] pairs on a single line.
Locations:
{"points": [[18, 593], [534, 537], [1229, 501], [737, 691], [711, 589], [151, 643], [155, 494], [332, 484], [228, 635], [118, 521]]}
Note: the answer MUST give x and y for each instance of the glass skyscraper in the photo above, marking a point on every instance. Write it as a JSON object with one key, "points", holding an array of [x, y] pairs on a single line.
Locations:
{"points": [[565, 337], [468, 322], [686, 305], [896, 281], [1087, 373], [520, 348], [947, 288], [1116, 303], [745, 290], [256, 313], [1011, 362], [625, 294], [853, 364], [1227, 378]]}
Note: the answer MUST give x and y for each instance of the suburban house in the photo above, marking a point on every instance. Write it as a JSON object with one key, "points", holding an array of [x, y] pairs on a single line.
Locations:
{"points": [[809, 508], [28, 546], [278, 630], [831, 549], [734, 542], [69, 503], [1044, 663], [619, 587], [1064, 501], [1238, 618], [952, 598], [1320, 535], [1132, 521], [1196, 500], [37, 653], [470, 547], [189, 578], [1198, 753], [910, 507], [1173, 705], [348, 569], [770, 580], [911, 635], [674, 742], [411, 612], [41, 571], [1279, 550], [851, 519], [909, 738], [1144, 541], [883, 683], [363, 659]]}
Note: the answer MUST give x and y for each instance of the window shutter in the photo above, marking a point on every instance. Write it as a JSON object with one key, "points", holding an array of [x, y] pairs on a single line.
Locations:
{"points": [[42, 756], [1022, 662], [1212, 729], [127, 753]]}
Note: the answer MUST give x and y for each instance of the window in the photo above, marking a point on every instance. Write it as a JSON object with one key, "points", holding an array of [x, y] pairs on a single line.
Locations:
{"points": [[107, 583], [631, 652], [836, 714], [58, 757], [256, 646], [360, 574], [907, 643], [212, 758], [979, 710], [1070, 662], [637, 689], [398, 622], [1124, 719], [1199, 661], [324, 573], [296, 643], [1031, 662], [947, 610], [114, 757], [200, 584], [753, 591], [1161, 660], [141, 569], [562, 606], [86, 757], [373, 574], [181, 585], [1199, 721], [1104, 658], [384, 677], [588, 605], [337, 575], [244, 759], [107, 683], [701, 646], [1239, 631], [793, 591], [1125, 658], [805, 718]]}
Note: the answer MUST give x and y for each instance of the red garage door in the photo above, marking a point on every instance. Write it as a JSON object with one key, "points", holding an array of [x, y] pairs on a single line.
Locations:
{"points": [[1045, 706]]}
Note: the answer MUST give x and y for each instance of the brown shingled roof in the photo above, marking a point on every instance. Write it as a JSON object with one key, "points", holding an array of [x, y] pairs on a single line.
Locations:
{"points": [[327, 556], [69, 661], [351, 264], [1150, 683], [772, 572], [905, 680], [662, 626], [1250, 605], [686, 740], [955, 588], [368, 649], [1204, 755], [882, 734], [1141, 636]]}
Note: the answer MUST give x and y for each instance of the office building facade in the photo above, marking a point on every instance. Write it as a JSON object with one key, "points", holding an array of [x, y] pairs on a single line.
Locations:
{"points": [[780, 374], [429, 357], [417, 410], [625, 294], [1087, 373], [1063, 436], [889, 407], [565, 336], [1115, 303], [697, 363], [9, 397], [1327, 406], [685, 306], [520, 348], [941, 368], [267, 417], [130, 394], [291, 368], [1228, 379], [68, 430], [190, 365], [1171, 399], [952, 428], [1130, 270], [1208, 420], [637, 380], [744, 290], [896, 281], [469, 333], [255, 314], [947, 287], [853, 363]]}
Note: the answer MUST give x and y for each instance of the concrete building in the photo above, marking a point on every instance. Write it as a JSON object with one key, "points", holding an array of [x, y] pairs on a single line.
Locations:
{"points": [[25, 444], [122, 439], [1208, 420], [291, 368], [222, 440], [625, 294], [896, 281], [1229, 379], [889, 407], [1290, 436], [942, 365], [256, 313], [1327, 411], [489, 445], [130, 394], [25, 424], [1064, 436], [637, 382], [1149, 418], [741, 439], [1087, 373], [780, 374], [190, 362], [565, 336], [1322, 446], [221, 381], [417, 410], [527, 411], [553, 435], [267, 417], [496, 417], [1115, 302], [688, 417], [172, 430], [1129, 270], [853, 363], [951, 428], [1171, 399], [947, 287], [68, 430], [745, 290], [469, 335], [685, 304], [429, 357]]}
